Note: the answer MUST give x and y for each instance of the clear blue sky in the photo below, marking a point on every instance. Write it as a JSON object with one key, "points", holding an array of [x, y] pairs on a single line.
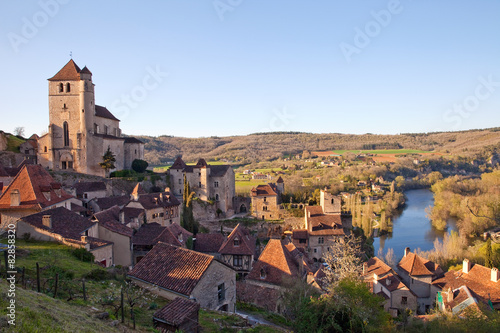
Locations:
{"points": [[242, 66]]}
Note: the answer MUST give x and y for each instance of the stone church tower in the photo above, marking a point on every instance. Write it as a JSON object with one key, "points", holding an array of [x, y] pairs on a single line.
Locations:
{"points": [[80, 132]]}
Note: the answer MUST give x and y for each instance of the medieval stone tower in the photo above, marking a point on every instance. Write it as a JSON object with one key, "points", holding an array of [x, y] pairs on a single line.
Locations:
{"points": [[80, 132], [330, 203]]}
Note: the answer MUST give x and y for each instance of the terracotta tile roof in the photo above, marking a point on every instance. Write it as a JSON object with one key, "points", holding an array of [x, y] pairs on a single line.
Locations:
{"points": [[31, 181], [108, 202], [274, 264], [131, 212], [178, 164], [264, 190], [82, 187], [155, 200], [319, 224], [391, 282], [246, 242], [70, 71], [383, 295], [209, 243], [299, 234], [96, 243], [110, 219], [376, 266], [85, 70], [101, 111], [177, 311], [415, 265], [172, 268], [478, 280], [130, 139], [151, 233], [177, 230], [218, 170], [64, 222]]}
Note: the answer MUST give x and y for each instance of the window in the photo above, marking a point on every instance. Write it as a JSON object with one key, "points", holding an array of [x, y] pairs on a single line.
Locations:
{"points": [[332, 201], [70, 164], [404, 300], [236, 241], [302, 241], [315, 251], [237, 261], [221, 292], [26, 151], [45, 149], [199, 174], [96, 128], [216, 184], [180, 181], [264, 208], [321, 240], [68, 87], [265, 199], [105, 129], [262, 273], [61, 87], [63, 165], [199, 184], [216, 197], [66, 134], [85, 195]]}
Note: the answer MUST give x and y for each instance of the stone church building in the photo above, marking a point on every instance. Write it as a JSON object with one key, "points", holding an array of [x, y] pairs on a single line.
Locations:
{"points": [[80, 131]]}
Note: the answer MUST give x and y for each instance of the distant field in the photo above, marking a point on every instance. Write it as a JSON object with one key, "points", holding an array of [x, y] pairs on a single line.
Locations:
{"points": [[381, 152], [244, 186]]}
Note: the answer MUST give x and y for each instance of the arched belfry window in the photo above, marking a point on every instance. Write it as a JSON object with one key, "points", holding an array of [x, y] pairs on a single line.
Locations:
{"points": [[66, 134], [68, 87], [61, 87]]}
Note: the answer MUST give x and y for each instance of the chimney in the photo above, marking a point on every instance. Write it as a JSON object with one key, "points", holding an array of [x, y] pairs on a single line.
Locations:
{"points": [[467, 266], [450, 295], [388, 281], [47, 221], [84, 239], [161, 197], [407, 250], [15, 197], [122, 216], [194, 244], [495, 274], [167, 189], [308, 213], [365, 266], [1, 187]]}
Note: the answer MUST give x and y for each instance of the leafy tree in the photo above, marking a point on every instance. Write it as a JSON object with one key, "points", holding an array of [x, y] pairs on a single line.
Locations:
{"points": [[139, 165], [187, 219], [108, 161], [488, 262]]}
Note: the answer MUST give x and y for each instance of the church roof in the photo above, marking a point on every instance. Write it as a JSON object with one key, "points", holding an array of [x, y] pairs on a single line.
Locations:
{"points": [[70, 71], [178, 164], [101, 111], [201, 163], [85, 70]]}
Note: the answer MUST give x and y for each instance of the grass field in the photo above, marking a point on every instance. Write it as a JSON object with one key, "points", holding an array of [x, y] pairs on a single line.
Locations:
{"points": [[244, 186]]}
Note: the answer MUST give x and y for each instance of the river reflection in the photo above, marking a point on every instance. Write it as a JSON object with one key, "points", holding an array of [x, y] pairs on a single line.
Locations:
{"points": [[412, 228]]}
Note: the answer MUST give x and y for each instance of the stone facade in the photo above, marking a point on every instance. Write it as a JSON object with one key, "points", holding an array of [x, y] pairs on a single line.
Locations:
{"points": [[266, 201], [80, 132]]}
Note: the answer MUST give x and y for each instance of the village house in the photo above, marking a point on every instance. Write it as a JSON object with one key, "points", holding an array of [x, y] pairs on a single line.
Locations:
{"points": [[209, 243], [238, 250], [386, 283], [180, 315], [418, 274], [266, 200], [279, 264], [209, 182], [80, 132], [172, 271], [474, 283], [66, 227], [86, 191], [32, 190], [99, 204]]}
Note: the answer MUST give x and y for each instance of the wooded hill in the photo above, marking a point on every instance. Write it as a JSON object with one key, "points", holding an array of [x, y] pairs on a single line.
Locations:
{"points": [[270, 146]]}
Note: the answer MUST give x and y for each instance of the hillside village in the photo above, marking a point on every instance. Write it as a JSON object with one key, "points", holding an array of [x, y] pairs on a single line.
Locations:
{"points": [[211, 235]]}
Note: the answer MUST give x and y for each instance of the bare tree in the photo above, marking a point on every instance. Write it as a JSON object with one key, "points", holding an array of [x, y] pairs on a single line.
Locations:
{"points": [[19, 131], [344, 260]]}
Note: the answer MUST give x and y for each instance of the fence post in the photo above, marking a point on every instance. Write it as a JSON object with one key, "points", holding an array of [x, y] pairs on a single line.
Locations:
{"points": [[121, 304], [37, 277], [84, 293], [55, 287]]}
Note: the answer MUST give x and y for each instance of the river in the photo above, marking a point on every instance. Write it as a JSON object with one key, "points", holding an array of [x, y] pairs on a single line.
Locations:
{"points": [[412, 228]]}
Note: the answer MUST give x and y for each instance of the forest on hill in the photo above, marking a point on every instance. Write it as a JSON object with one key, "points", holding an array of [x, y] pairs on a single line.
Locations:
{"points": [[270, 146]]}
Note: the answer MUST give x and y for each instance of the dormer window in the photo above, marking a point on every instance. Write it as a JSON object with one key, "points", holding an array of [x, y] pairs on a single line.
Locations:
{"points": [[262, 273], [236, 242]]}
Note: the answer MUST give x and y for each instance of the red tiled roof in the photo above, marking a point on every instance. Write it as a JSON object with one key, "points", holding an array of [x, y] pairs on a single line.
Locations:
{"points": [[415, 265], [276, 263], [264, 190], [108, 202], [299, 234], [70, 71], [320, 224], [478, 280], [177, 311], [101, 111], [82, 187], [151, 233], [177, 230], [156, 200], [30, 182], [209, 243], [391, 282], [110, 219], [376, 266], [64, 222], [172, 268], [246, 242]]}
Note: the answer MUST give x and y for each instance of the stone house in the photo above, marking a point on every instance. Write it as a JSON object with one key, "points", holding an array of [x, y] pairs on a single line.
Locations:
{"points": [[482, 282], [69, 228], [31, 191], [30, 149], [99, 204], [112, 229], [86, 191], [418, 274], [180, 315], [80, 131], [209, 182], [238, 250], [385, 282], [266, 201], [172, 271]]}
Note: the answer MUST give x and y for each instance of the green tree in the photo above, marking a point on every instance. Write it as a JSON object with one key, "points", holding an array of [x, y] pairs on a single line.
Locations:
{"points": [[139, 165], [108, 161], [488, 261], [187, 219]]}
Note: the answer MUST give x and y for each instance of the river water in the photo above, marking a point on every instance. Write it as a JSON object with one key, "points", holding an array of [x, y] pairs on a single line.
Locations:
{"points": [[412, 228]]}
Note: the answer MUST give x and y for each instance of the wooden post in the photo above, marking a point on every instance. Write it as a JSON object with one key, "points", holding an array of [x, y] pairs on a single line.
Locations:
{"points": [[84, 293], [121, 306], [55, 287], [37, 277]]}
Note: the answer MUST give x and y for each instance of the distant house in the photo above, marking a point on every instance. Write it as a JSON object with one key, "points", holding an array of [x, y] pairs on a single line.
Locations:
{"points": [[86, 191], [418, 274], [32, 190], [238, 250], [209, 243], [482, 284], [180, 315], [99, 204], [66, 227], [172, 271], [266, 200]]}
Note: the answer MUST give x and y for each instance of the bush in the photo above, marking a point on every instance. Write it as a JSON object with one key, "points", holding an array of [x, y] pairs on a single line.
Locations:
{"points": [[139, 166], [83, 254], [98, 274]]}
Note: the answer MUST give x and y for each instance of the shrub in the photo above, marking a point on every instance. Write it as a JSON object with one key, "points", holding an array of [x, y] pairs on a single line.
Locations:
{"points": [[83, 254], [98, 274], [139, 165]]}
